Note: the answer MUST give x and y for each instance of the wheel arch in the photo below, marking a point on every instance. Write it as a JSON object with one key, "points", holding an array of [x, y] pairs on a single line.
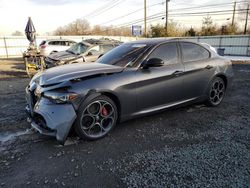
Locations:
{"points": [[224, 78], [116, 100], [93, 93]]}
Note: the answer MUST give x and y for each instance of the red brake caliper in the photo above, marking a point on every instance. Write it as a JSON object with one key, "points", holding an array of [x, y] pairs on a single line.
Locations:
{"points": [[104, 111]]}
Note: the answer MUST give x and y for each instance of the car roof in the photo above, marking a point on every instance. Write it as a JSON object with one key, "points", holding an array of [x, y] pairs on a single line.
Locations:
{"points": [[98, 41], [96, 44], [152, 41], [86, 43], [156, 41], [48, 40]]}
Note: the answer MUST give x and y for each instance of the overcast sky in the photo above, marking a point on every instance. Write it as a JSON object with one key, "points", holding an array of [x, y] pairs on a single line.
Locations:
{"points": [[47, 15]]}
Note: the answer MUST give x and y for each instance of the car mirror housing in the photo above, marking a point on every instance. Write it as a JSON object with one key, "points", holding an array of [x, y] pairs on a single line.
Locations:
{"points": [[90, 53], [153, 62]]}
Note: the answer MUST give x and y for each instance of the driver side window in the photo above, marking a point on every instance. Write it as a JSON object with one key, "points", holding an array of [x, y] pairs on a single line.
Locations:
{"points": [[166, 52], [94, 50]]}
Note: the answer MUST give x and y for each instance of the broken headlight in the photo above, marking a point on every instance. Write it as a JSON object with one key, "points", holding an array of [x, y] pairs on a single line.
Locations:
{"points": [[58, 97]]}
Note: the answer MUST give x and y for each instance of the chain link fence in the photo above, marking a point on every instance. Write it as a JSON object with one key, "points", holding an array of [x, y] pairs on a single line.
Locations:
{"points": [[14, 46], [233, 45]]}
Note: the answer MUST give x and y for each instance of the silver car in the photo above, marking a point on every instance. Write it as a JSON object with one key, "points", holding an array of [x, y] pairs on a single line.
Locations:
{"points": [[78, 53], [50, 46]]}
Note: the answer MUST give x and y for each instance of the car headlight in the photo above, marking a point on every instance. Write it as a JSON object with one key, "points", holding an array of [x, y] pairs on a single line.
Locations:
{"points": [[61, 62], [58, 97]]}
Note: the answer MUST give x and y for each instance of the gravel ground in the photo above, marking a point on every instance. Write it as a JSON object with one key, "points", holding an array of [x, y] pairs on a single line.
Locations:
{"points": [[192, 146]]}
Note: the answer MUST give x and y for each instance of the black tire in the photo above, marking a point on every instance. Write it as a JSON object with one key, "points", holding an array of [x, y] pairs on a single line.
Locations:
{"points": [[97, 116], [216, 92]]}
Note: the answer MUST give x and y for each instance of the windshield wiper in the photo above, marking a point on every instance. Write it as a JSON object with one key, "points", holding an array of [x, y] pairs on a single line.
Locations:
{"points": [[70, 51]]}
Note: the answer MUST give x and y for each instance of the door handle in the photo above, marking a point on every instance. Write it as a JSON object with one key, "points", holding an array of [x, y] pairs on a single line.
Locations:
{"points": [[177, 73], [208, 67]]}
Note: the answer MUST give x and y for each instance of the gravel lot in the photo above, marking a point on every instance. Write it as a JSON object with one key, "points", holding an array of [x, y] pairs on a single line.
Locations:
{"points": [[192, 146]]}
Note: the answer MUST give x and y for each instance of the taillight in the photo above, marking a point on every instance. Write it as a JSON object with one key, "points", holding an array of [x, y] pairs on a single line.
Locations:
{"points": [[43, 46]]}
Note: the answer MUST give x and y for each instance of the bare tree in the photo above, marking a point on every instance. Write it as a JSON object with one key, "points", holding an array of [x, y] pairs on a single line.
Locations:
{"points": [[17, 33], [78, 27], [208, 27]]}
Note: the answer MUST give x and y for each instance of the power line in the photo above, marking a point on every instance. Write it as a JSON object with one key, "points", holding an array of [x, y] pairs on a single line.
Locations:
{"points": [[204, 13], [108, 8], [104, 8], [125, 15], [100, 8], [160, 15], [173, 10]]}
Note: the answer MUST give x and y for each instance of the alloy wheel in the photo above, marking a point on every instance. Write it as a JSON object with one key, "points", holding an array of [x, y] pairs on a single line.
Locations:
{"points": [[217, 92], [97, 118]]}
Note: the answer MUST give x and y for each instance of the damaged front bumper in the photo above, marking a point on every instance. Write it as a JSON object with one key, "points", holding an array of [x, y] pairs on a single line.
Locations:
{"points": [[49, 118]]}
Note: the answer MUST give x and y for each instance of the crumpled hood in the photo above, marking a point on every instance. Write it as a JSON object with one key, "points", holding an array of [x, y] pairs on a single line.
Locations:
{"points": [[73, 71], [63, 55]]}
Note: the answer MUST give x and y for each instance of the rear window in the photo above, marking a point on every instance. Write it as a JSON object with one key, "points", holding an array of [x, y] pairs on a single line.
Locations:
{"points": [[106, 47], [193, 52], [69, 43], [54, 43]]}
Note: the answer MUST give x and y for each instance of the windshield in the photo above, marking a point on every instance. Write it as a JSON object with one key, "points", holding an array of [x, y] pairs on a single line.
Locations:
{"points": [[124, 55], [78, 48]]}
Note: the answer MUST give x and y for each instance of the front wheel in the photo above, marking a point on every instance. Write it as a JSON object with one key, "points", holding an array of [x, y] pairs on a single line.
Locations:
{"points": [[96, 118], [216, 92]]}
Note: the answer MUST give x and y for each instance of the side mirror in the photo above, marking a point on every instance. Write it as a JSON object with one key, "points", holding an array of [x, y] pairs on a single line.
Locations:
{"points": [[153, 62], [89, 53]]}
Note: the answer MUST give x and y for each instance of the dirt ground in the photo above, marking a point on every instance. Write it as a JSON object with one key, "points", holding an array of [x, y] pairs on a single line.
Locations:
{"points": [[193, 146]]}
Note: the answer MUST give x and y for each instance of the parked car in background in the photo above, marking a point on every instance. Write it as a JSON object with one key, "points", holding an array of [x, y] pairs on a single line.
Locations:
{"points": [[132, 80], [50, 46], [102, 40], [78, 53]]}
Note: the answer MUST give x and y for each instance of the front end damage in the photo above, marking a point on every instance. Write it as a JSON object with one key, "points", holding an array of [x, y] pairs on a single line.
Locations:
{"points": [[47, 117], [53, 97]]}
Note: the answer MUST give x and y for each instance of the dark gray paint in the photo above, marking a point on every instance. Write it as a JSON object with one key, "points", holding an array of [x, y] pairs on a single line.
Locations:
{"points": [[136, 91]]}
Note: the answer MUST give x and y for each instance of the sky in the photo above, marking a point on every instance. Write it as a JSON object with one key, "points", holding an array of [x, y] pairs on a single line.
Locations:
{"points": [[47, 15]]}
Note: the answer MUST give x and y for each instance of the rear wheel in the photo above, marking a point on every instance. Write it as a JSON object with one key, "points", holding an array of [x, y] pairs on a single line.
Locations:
{"points": [[96, 118], [216, 92]]}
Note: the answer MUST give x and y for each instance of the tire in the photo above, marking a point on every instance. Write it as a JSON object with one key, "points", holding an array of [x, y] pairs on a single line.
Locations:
{"points": [[96, 118], [216, 92]]}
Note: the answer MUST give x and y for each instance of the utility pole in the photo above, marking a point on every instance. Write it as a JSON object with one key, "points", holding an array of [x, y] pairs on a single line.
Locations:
{"points": [[233, 13], [245, 30], [166, 24], [145, 18]]}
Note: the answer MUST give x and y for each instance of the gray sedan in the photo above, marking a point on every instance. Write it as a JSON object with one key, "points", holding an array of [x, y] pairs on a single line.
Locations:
{"points": [[78, 53], [132, 80]]}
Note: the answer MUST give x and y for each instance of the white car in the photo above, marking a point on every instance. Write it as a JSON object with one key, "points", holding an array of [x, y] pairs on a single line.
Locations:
{"points": [[50, 46]]}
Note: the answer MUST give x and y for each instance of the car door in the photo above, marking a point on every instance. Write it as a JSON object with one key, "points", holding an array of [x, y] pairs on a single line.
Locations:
{"points": [[160, 86], [198, 69], [92, 54]]}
